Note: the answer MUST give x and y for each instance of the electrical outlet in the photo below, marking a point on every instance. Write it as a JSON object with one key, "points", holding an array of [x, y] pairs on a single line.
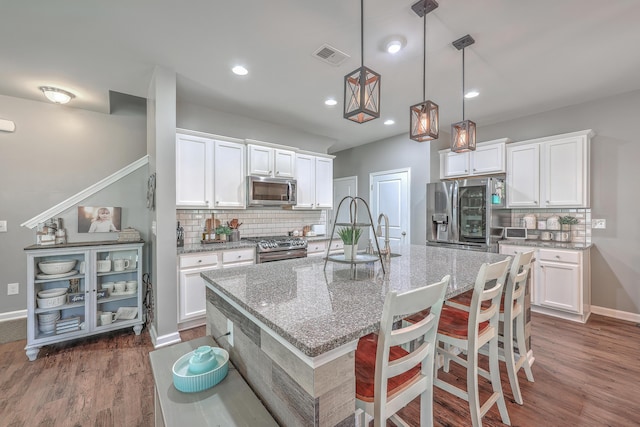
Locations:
{"points": [[13, 288], [3, 226], [230, 330], [598, 223]]}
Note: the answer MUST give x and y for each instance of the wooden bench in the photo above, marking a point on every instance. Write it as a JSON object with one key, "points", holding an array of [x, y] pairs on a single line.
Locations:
{"points": [[230, 403]]}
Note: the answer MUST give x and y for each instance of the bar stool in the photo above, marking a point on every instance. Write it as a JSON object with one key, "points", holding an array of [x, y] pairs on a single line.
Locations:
{"points": [[513, 322], [388, 377], [469, 331]]}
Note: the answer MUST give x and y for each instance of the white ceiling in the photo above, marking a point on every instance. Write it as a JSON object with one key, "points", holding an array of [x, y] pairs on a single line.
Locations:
{"points": [[529, 56]]}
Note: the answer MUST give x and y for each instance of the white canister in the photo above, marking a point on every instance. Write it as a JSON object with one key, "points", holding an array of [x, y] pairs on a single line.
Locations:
{"points": [[542, 225], [553, 222], [530, 221]]}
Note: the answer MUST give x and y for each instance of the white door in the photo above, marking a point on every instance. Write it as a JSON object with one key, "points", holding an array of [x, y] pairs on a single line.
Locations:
{"points": [[342, 187], [390, 196]]}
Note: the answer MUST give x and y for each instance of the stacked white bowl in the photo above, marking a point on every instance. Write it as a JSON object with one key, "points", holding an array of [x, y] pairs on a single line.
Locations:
{"points": [[49, 298], [47, 321]]}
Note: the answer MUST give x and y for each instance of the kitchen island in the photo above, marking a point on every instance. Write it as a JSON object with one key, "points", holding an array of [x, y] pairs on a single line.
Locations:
{"points": [[295, 325]]}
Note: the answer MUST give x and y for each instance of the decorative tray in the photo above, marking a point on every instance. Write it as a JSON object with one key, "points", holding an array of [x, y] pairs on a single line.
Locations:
{"points": [[359, 259]]}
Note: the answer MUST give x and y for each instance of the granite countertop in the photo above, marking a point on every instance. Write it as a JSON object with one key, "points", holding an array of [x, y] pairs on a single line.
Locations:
{"points": [[83, 244], [317, 310], [547, 244]]}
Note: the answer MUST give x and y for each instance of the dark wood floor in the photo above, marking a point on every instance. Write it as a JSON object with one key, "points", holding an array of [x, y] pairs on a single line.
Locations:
{"points": [[586, 375]]}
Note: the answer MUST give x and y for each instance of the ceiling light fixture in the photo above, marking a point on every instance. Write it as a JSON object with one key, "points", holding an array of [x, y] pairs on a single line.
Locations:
{"points": [[240, 70], [463, 134], [424, 117], [330, 102], [56, 95], [389, 122], [471, 94], [362, 87], [394, 46]]}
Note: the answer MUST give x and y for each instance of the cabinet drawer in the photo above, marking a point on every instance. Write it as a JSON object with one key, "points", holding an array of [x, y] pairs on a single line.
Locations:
{"points": [[337, 245], [314, 247], [238, 256], [559, 256], [198, 260], [514, 250]]}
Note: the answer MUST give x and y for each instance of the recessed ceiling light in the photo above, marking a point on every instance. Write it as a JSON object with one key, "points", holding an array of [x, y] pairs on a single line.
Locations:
{"points": [[471, 94], [240, 70], [389, 122], [56, 95], [330, 102], [394, 46]]}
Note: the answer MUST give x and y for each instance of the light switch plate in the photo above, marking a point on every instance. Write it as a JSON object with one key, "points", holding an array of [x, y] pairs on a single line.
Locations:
{"points": [[13, 289], [598, 223], [3, 226]]}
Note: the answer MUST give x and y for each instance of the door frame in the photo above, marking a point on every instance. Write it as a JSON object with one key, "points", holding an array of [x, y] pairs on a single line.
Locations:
{"points": [[406, 170]]}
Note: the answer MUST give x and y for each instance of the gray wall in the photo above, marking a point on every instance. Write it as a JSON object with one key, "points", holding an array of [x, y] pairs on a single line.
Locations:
{"points": [[388, 154], [55, 152], [615, 154]]}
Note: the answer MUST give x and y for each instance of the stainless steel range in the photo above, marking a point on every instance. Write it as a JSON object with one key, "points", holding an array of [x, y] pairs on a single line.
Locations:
{"points": [[276, 248]]}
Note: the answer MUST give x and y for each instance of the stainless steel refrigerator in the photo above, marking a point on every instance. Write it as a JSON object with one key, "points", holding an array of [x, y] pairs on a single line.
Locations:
{"points": [[467, 213]]}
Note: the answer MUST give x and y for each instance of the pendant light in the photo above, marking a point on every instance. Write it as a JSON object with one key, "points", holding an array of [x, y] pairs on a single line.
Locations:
{"points": [[362, 87], [423, 117], [463, 134]]}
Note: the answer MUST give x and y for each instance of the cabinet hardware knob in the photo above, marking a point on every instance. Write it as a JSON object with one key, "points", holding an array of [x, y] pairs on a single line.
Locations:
{"points": [[217, 202], [239, 256], [547, 201], [199, 260], [558, 256], [474, 169], [466, 170], [270, 172], [277, 172]]}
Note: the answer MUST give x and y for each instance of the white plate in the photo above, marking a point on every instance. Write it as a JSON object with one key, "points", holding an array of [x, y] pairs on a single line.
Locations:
{"points": [[115, 294], [56, 276]]}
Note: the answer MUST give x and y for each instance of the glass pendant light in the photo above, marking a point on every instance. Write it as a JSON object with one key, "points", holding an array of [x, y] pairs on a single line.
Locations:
{"points": [[423, 117], [463, 134], [362, 87]]}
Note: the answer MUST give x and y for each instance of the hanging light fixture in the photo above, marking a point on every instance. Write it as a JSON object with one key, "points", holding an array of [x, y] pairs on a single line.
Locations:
{"points": [[362, 87], [463, 134], [423, 117]]}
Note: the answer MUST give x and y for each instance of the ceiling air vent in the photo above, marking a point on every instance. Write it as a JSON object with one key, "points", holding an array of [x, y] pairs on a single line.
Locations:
{"points": [[330, 55]]}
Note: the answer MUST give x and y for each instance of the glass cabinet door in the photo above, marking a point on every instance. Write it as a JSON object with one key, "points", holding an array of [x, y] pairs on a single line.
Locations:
{"points": [[473, 220], [118, 290]]}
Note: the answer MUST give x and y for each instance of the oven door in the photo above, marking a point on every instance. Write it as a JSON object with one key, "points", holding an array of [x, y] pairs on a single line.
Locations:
{"points": [[281, 255]]}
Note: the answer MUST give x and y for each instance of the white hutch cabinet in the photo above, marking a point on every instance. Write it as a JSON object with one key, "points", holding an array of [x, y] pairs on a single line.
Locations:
{"points": [[86, 297]]}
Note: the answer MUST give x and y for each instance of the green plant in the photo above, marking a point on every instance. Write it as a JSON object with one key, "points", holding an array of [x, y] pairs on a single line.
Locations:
{"points": [[568, 220], [223, 229], [349, 235]]}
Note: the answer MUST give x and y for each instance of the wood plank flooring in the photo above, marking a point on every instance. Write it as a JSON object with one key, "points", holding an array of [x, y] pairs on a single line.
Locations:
{"points": [[586, 375]]}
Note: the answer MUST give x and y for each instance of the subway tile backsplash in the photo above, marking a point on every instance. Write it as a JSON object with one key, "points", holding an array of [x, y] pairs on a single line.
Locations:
{"points": [[580, 233], [255, 222]]}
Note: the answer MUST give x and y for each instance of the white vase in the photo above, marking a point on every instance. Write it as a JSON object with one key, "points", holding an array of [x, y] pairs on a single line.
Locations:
{"points": [[350, 252]]}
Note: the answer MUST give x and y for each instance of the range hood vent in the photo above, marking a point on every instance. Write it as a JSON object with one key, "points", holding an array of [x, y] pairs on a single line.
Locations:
{"points": [[330, 55]]}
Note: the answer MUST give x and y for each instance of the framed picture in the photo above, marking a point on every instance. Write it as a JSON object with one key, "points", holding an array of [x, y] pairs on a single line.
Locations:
{"points": [[101, 219]]}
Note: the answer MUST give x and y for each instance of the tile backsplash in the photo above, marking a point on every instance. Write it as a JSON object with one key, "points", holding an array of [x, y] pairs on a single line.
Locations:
{"points": [[255, 222], [580, 233]]}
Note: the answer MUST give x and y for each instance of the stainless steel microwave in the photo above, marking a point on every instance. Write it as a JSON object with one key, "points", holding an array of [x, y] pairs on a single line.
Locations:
{"points": [[265, 191]]}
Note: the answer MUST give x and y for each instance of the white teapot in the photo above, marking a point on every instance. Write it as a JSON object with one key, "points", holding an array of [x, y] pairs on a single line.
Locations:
{"points": [[553, 222]]}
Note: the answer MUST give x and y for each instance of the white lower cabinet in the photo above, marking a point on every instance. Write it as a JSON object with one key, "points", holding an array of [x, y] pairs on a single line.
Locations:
{"points": [[561, 281], [319, 247], [102, 292], [192, 300]]}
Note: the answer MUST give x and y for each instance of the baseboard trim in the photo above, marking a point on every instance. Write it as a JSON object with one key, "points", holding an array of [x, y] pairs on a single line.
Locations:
{"points": [[617, 314], [164, 340], [13, 315]]}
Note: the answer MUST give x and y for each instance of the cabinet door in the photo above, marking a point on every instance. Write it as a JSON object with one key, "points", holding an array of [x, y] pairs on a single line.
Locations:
{"points": [[454, 164], [523, 176], [285, 161], [559, 285], [193, 171], [192, 302], [488, 159], [260, 160], [306, 179], [316, 248], [229, 175], [564, 173], [324, 183]]}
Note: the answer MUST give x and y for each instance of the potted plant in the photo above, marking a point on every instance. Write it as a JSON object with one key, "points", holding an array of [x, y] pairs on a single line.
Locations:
{"points": [[350, 236], [222, 232], [567, 221]]}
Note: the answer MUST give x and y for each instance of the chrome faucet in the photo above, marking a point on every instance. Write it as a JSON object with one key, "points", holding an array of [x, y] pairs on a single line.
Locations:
{"points": [[387, 249]]}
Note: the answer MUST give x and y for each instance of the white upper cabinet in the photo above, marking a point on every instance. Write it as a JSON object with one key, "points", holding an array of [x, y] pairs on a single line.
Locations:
{"points": [[488, 158], [315, 182], [194, 178], [270, 161], [551, 172], [210, 173]]}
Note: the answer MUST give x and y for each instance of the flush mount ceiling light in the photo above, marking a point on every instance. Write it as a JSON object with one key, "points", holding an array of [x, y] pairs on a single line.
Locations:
{"points": [[56, 95], [423, 117], [240, 70], [362, 87], [389, 122], [330, 102], [463, 134], [471, 94]]}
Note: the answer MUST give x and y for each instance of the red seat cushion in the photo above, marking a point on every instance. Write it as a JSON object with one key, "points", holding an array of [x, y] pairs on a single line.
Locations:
{"points": [[454, 323], [366, 367], [465, 299], [415, 318]]}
